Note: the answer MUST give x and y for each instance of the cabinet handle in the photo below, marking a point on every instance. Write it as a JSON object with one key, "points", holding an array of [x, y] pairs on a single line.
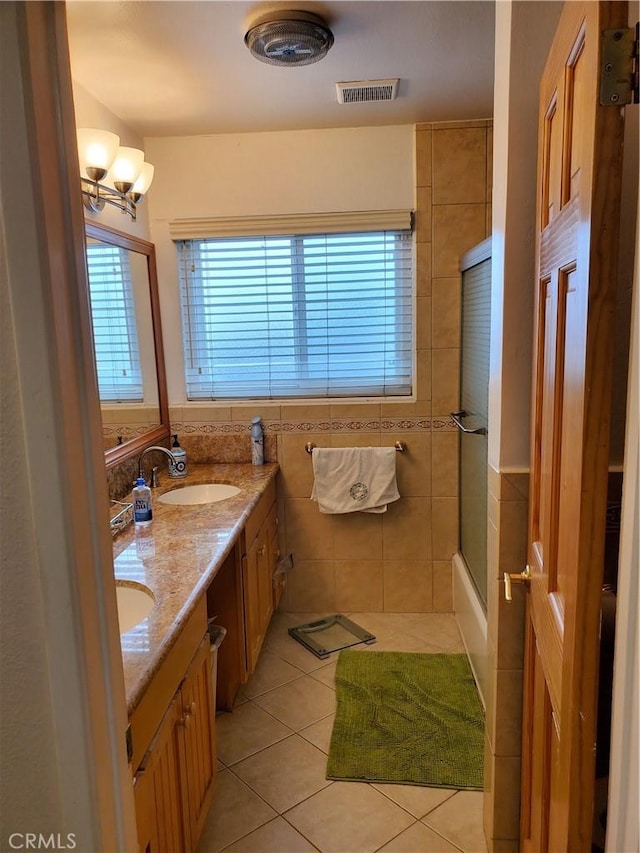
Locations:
{"points": [[263, 550], [192, 708]]}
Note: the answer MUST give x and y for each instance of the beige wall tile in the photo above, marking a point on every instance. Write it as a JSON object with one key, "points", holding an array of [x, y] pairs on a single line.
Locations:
{"points": [[261, 409], [405, 410], [512, 529], [406, 530], [306, 411], [423, 322], [507, 632], [423, 215], [423, 158], [444, 464], [459, 165], [358, 536], [490, 697], [206, 414], [506, 812], [445, 381], [423, 268], [413, 467], [357, 411], [309, 532], [355, 439], [423, 380], [359, 585], [407, 586], [175, 414], [494, 590], [456, 229], [442, 586], [296, 469], [311, 586], [508, 712], [444, 516], [446, 312], [514, 486]]}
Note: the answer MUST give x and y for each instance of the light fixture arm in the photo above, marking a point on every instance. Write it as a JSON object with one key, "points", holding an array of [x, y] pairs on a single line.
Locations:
{"points": [[95, 195]]}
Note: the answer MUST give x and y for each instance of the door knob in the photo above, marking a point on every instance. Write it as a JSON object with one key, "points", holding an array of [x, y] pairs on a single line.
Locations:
{"points": [[515, 577]]}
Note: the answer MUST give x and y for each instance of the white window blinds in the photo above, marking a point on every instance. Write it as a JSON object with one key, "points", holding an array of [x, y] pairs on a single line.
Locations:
{"points": [[114, 324], [310, 315]]}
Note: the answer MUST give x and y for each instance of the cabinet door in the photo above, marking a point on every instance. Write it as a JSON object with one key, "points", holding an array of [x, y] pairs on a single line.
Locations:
{"points": [[258, 565], [197, 741], [144, 797], [266, 565], [161, 828], [251, 594]]}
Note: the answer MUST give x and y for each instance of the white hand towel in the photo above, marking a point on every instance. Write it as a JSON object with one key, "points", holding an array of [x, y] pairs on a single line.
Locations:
{"points": [[354, 479]]}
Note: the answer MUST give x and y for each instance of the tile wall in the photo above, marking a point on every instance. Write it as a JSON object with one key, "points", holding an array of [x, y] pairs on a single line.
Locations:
{"points": [[507, 508], [401, 560]]}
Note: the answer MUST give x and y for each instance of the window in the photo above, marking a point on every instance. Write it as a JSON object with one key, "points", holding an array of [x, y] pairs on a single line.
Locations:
{"points": [[114, 324], [311, 315]]}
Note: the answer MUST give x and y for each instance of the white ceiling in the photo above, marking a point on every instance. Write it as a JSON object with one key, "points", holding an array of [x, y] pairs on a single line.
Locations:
{"points": [[177, 67]]}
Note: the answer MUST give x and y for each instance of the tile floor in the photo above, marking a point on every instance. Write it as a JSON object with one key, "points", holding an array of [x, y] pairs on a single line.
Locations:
{"points": [[272, 795]]}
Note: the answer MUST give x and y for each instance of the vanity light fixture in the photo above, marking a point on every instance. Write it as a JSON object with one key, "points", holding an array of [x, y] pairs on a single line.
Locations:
{"points": [[101, 156]]}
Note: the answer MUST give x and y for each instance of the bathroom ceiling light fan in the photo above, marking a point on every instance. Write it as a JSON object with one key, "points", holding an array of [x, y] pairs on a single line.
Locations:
{"points": [[289, 38]]}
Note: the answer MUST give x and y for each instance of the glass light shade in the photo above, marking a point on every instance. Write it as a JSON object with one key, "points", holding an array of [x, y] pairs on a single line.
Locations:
{"points": [[97, 149], [144, 179], [127, 166]]}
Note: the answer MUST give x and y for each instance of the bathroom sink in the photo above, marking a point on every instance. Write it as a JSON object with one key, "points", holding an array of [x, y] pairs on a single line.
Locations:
{"points": [[204, 493], [135, 602]]}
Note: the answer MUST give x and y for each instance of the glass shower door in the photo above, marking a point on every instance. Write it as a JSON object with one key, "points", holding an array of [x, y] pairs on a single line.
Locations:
{"points": [[472, 418]]}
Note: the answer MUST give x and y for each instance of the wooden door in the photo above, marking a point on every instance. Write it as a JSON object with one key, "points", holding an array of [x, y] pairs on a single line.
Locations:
{"points": [[579, 164], [197, 742]]}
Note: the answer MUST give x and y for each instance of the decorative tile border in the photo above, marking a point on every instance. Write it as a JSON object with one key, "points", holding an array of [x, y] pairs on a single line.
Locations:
{"points": [[127, 431], [353, 425]]}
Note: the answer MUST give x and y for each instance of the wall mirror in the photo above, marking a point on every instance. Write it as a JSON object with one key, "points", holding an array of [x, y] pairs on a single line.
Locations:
{"points": [[127, 340]]}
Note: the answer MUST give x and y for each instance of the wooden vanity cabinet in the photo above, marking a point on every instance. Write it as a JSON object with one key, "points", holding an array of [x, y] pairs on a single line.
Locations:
{"points": [[174, 782], [258, 564]]}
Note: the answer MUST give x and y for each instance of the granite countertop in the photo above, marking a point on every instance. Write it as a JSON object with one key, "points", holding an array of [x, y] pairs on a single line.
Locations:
{"points": [[177, 556]]}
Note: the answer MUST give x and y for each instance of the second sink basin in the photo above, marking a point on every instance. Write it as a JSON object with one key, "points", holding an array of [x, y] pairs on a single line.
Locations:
{"points": [[135, 602], [204, 493]]}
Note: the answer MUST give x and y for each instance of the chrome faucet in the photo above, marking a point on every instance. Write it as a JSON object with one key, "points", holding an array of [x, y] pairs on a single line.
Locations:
{"points": [[154, 479]]}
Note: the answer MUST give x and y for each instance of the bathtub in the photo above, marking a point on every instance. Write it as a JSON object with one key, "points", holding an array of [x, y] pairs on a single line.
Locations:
{"points": [[472, 622]]}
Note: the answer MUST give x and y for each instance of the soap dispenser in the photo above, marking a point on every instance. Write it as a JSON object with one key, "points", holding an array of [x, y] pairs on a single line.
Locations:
{"points": [[178, 468]]}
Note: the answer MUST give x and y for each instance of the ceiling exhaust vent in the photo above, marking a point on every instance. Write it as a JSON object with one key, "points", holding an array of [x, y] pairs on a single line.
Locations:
{"points": [[367, 91]]}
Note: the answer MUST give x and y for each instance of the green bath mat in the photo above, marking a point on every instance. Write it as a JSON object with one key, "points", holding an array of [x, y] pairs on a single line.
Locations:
{"points": [[413, 719]]}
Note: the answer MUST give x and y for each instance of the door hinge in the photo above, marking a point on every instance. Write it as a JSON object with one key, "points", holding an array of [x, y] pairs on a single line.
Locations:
{"points": [[619, 67]]}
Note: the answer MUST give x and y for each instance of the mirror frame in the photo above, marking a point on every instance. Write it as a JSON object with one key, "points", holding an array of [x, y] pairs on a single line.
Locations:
{"points": [[128, 449]]}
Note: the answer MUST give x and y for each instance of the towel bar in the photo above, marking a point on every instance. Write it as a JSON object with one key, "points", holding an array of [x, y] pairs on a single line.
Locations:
{"points": [[400, 446]]}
